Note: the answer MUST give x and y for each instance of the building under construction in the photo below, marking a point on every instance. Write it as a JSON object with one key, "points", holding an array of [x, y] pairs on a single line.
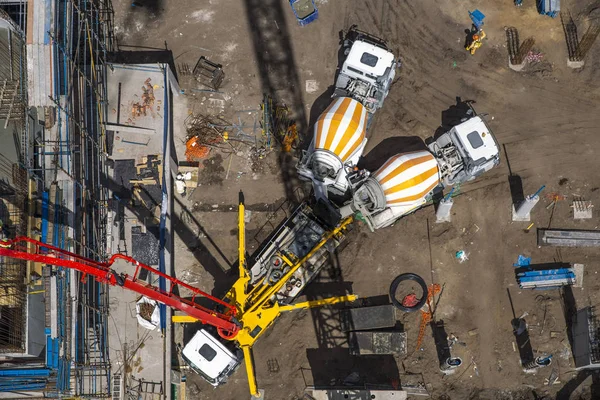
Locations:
{"points": [[53, 108]]}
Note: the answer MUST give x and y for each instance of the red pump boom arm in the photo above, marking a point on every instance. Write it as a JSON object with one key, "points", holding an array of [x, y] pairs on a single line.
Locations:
{"points": [[24, 248]]}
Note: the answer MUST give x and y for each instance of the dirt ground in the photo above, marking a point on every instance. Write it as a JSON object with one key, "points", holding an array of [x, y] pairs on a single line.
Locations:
{"points": [[544, 119]]}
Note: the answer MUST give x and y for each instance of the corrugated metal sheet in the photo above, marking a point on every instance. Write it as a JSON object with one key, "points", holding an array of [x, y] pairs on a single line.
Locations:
{"points": [[40, 58]]}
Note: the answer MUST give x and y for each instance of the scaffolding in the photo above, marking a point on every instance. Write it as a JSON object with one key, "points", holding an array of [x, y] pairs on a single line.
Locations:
{"points": [[13, 291], [13, 180], [74, 151], [62, 148]]}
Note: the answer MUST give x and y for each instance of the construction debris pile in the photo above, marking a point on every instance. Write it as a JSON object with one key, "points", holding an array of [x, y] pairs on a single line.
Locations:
{"points": [[149, 171], [277, 123], [146, 104], [146, 311]]}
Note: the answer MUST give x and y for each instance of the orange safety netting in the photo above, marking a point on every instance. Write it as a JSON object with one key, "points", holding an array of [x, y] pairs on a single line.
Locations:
{"points": [[194, 151], [427, 315]]}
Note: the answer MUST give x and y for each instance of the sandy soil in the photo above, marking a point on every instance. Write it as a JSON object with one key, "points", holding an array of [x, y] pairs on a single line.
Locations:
{"points": [[545, 119]]}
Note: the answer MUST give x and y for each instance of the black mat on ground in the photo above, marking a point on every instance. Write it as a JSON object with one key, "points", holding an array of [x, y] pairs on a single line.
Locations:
{"points": [[110, 142], [123, 173], [145, 246], [151, 194]]}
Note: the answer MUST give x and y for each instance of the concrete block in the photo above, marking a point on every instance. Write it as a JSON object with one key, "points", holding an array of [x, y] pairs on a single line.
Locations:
{"points": [[579, 271], [516, 67], [575, 64], [582, 209], [442, 214], [522, 211]]}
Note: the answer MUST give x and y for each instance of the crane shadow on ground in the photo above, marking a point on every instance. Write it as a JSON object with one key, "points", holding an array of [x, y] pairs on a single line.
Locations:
{"points": [[271, 39], [279, 77]]}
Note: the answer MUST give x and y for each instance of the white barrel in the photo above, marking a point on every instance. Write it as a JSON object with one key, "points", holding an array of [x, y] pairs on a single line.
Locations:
{"points": [[406, 179], [341, 128]]}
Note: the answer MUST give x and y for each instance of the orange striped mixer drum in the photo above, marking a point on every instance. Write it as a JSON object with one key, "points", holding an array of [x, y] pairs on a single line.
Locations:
{"points": [[407, 178], [341, 128]]}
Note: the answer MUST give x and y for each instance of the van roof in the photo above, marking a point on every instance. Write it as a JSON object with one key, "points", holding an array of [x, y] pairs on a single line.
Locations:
{"points": [[207, 354], [361, 57], [477, 139]]}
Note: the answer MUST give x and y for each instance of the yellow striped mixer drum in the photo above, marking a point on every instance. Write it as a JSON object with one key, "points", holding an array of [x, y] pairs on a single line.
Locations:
{"points": [[341, 128], [407, 178]]}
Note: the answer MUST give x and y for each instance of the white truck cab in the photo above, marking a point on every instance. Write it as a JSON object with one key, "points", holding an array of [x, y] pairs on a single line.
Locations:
{"points": [[368, 70], [210, 358], [368, 62], [466, 151]]}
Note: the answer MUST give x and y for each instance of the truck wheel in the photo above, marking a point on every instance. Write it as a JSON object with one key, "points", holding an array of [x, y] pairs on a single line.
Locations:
{"points": [[409, 276]]}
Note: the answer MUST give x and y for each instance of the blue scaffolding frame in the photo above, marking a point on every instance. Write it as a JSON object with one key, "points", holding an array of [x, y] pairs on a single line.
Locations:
{"points": [[68, 163], [81, 38]]}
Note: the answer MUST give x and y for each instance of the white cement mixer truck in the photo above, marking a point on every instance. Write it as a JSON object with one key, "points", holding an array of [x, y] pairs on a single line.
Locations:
{"points": [[339, 136], [407, 180]]}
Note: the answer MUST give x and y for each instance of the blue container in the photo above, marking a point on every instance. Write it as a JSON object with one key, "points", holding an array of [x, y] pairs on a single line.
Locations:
{"points": [[550, 8], [477, 17], [305, 11]]}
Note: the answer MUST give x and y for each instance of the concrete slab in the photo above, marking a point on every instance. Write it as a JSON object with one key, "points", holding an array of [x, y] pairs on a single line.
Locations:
{"points": [[137, 95], [127, 86], [579, 271], [335, 394], [516, 218], [575, 64], [516, 67]]}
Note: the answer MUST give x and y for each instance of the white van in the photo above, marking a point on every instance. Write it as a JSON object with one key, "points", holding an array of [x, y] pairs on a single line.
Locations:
{"points": [[210, 358]]}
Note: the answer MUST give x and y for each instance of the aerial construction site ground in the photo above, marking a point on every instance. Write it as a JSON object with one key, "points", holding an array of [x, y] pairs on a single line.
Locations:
{"points": [[545, 118]]}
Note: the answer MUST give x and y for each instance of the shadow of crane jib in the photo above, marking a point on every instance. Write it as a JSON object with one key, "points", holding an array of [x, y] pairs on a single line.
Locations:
{"points": [[274, 55]]}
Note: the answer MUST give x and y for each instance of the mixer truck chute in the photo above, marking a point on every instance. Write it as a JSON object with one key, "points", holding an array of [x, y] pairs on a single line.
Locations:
{"points": [[399, 187], [339, 139]]}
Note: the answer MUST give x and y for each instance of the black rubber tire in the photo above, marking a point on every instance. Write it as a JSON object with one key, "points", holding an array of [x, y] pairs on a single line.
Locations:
{"points": [[409, 276]]}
